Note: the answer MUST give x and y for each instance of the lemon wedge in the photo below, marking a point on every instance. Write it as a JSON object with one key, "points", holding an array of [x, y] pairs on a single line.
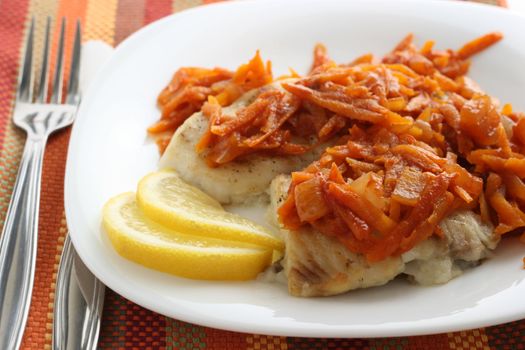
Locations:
{"points": [[148, 243], [165, 198]]}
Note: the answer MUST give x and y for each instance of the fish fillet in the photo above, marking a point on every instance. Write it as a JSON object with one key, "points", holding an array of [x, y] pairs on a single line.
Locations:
{"points": [[317, 265], [234, 182]]}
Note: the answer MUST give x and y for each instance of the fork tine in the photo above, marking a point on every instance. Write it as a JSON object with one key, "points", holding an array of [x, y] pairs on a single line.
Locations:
{"points": [[25, 87], [57, 82], [42, 86], [74, 74]]}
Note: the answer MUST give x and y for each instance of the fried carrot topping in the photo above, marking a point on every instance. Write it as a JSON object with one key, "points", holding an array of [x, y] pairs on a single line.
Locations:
{"points": [[420, 187], [424, 141], [190, 87], [411, 138]]}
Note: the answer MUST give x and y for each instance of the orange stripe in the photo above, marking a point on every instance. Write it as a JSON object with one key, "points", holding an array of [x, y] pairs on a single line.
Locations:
{"points": [[71, 11], [100, 20], [179, 5], [466, 340], [259, 341]]}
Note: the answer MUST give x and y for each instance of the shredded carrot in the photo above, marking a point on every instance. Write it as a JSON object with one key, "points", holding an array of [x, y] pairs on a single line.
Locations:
{"points": [[320, 56], [190, 88], [412, 139], [428, 132], [479, 44]]}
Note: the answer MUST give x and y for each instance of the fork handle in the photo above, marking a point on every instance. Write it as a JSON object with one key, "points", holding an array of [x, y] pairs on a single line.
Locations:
{"points": [[18, 245]]}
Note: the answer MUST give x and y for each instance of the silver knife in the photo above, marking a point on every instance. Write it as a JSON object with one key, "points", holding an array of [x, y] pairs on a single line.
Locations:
{"points": [[79, 295], [79, 300]]}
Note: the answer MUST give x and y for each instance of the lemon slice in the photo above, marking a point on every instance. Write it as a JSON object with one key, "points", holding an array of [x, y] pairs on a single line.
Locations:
{"points": [[165, 198], [148, 243]]}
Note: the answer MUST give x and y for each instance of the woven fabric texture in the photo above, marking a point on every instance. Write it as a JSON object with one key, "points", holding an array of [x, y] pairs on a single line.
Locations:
{"points": [[126, 325]]}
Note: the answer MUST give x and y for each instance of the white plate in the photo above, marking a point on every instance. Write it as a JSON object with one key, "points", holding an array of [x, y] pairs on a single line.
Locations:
{"points": [[109, 152]]}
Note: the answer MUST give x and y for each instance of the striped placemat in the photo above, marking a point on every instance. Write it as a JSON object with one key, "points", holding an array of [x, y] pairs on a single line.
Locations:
{"points": [[126, 325]]}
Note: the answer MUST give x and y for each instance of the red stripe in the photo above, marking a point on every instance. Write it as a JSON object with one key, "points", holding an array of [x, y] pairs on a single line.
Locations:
{"points": [[156, 9], [12, 24], [437, 341], [130, 17], [144, 329], [112, 329], [219, 340]]}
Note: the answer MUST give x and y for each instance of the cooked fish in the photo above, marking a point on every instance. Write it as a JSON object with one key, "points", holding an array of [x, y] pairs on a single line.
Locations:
{"points": [[234, 182], [467, 242], [318, 265]]}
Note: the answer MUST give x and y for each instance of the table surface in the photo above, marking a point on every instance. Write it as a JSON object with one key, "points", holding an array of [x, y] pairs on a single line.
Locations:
{"points": [[126, 325]]}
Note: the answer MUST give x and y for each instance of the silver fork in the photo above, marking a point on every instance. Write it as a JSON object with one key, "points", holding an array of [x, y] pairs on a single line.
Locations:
{"points": [[39, 118]]}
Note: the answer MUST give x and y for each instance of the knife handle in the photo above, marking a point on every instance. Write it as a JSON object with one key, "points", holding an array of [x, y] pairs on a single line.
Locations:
{"points": [[18, 246], [77, 322], [60, 326]]}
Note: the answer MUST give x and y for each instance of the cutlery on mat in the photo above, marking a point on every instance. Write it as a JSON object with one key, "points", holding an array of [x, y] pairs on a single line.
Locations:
{"points": [[79, 299], [79, 295], [39, 113]]}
